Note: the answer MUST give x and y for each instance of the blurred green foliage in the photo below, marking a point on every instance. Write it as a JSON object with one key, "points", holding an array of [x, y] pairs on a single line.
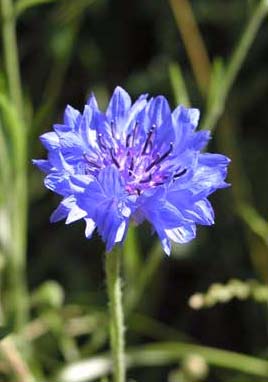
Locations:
{"points": [[210, 54]]}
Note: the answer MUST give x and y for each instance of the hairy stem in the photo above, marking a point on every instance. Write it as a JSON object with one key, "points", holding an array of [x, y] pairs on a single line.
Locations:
{"points": [[112, 267]]}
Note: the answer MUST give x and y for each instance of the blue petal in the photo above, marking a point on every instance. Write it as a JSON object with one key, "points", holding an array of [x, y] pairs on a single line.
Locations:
{"points": [[210, 174], [73, 147], [107, 189], [165, 242], [90, 227], [119, 105], [202, 178], [58, 161], [63, 209], [134, 113], [75, 214], [92, 102], [59, 183], [105, 201], [67, 208], [71, 140], [59, 128], [214, 160], [86, 128], [103, 128], [165, 135], [71, 117], [182, 234], [186, 115], [204, 212], [200, 212], [158, 111], [111, 226], [59, 213], [159, 211], [111, 181], [200, 139], [50, 140], [43, 164]]}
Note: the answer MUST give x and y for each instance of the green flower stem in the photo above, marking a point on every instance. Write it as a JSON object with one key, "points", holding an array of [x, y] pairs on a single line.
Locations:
{"points": [[112, 268]]}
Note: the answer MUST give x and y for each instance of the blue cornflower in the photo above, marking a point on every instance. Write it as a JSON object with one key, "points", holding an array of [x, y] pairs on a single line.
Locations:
{"points": [[135, 162]]}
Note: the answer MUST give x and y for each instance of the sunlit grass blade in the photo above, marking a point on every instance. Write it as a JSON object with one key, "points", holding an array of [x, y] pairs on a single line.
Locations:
{"points": [[14, 127], [235, 63], [161, 354], [5, 168], [254, 220], [178, 85], [15, 132], [214, 98]]}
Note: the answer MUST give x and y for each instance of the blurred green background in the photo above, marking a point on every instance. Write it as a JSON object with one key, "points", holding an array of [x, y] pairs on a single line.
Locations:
{"points": [[188, 52]]}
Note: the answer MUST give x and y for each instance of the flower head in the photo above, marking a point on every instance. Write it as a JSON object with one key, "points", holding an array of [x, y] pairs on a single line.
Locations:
{"points": [[136, 161]]}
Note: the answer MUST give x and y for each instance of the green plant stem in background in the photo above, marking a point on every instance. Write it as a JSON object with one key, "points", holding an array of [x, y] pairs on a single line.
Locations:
{"points": [[236, 61], [16, 196], [14, 359], [222, 80], [193, 42], [178, 85], [112, 267], [11, 54], [160, 354], [149, 268], [245, 43]]}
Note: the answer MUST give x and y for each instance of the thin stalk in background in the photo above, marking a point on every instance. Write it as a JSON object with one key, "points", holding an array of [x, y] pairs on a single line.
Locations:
{"points": [[13, 358], [193, 42], [11, 54], [178, 85], [112, 268], [160, 354], [243, 200], [153, 261], [221, 83], [213, 114], [17, 290]]}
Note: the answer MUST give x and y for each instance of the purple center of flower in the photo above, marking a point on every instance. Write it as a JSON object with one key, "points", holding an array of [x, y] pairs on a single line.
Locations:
{"points": [[142, 163]]}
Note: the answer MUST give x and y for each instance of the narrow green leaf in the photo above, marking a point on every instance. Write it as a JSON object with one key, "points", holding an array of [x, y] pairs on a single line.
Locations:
{"points": [[163, 353], [214, 100], [216, 84], [15, 131], [254, 220], [5, 170], [178, 85]]}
